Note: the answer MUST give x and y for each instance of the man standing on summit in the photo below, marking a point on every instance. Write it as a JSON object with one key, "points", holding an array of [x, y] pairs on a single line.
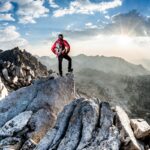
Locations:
{"points": [[61, 48]]}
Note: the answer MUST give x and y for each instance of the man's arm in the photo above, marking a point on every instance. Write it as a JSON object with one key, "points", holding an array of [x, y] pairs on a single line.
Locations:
{"points": [[67, 46], [53, 48]]}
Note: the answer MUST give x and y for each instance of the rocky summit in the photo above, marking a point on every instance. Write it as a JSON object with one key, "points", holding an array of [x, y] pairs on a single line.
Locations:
{"points": [[40, 111], [47, 116], [18, 68]]}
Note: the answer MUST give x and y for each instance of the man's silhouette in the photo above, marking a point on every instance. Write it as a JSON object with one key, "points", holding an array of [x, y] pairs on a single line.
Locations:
{"points": [[61, 48]]}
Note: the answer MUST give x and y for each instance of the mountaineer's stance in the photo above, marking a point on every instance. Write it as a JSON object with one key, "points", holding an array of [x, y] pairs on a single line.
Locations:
{"points": [[61, 48]]}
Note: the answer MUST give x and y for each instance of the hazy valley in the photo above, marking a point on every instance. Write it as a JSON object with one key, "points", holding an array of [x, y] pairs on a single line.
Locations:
{"points": [[112, 79]]}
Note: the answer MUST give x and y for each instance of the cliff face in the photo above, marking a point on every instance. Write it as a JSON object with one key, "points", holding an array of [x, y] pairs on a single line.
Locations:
{"points": [[30, 111]]}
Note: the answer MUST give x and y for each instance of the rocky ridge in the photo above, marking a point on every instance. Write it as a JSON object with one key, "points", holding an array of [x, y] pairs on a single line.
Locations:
{"points": [[18, 68], [42, 122], [47, 114]]}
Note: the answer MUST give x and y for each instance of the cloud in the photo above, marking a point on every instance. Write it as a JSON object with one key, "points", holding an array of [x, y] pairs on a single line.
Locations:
{"points": [[53, 4], [11, 38], [30, 10], [5, 7], [6, 17], [90, 25], [69, 26], [53, 35], [107, 17], [131, 24], [86, 7]]}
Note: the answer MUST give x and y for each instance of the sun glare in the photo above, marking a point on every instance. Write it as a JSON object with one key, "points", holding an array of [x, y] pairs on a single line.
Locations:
{"points": [[123, 40]]}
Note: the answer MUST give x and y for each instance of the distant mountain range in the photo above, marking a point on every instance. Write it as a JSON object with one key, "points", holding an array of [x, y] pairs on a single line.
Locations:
{"points": [[110, 78], [100, 63], [144, 62]]}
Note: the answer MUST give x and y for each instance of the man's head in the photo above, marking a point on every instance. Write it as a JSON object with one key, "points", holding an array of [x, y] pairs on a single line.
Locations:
{"points": [[60, 36]]}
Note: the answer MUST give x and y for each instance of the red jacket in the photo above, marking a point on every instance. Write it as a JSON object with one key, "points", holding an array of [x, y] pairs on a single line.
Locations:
{"points": [[63, 43]]}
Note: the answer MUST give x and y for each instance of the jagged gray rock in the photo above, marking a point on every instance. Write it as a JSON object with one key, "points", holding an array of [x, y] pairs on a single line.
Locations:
{"points": [[40, 122], [18, 68], [107, 135], [83, 124], [88, 124], [10, 143], [29, 145], [16, 124], [53, 136], [45, 99]]}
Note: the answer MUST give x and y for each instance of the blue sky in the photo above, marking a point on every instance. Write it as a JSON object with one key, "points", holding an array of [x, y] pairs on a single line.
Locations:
{"points": [[92, 27]]}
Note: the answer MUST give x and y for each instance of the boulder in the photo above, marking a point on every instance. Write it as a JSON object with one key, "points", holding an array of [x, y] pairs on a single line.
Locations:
{"points": [[29, 145], [10, 143], [5, 74], [3, 90], [141, 128], [40, 122], [127, 135], [16, 124]]}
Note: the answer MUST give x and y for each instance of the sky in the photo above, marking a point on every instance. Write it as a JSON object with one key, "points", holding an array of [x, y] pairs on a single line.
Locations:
{"points": [[93, 27]]}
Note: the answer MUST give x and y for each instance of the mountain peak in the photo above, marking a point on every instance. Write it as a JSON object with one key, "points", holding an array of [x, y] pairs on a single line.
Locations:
{"points": [[48, 113], [18, 68]]}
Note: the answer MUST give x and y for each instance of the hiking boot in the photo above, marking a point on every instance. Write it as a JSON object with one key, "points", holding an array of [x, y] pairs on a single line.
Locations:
{"points": [[61, 74], [70, 70], [67, 74]]}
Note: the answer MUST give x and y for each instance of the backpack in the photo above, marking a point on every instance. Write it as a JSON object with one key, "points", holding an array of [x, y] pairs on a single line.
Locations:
{"points": [[60, 46]]}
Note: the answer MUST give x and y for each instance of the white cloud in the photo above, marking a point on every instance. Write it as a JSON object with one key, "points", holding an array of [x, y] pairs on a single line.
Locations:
{"points": [[11, 38], [5, 24], [54, 34], [53, 4], [70, 26], [90, 25], [5, 7], [27, 34], [107, 17], [6, 17], [86, 7], [29, 10]]}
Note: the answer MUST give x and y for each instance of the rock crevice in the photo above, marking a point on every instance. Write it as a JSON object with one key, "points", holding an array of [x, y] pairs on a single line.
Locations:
{"points": [[89, 124]]}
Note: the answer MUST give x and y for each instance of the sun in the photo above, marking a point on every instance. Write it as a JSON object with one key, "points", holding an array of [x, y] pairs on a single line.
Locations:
{"points": [[123, 40]]}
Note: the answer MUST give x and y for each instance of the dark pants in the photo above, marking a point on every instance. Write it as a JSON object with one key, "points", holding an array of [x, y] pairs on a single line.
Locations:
{"points": [[60, 59]]}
